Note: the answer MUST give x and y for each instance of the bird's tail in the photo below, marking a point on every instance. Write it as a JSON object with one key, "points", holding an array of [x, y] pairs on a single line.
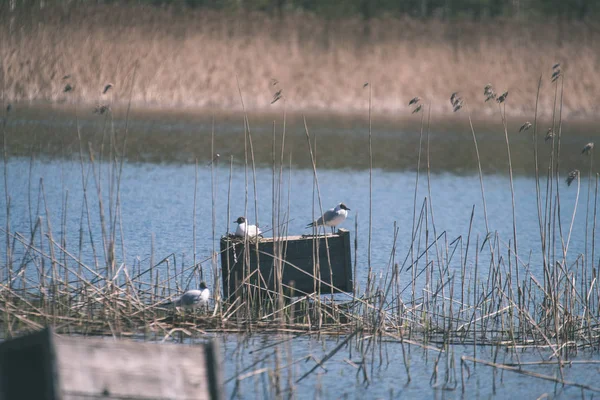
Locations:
{"points": [[170, 303], [311, 225]]}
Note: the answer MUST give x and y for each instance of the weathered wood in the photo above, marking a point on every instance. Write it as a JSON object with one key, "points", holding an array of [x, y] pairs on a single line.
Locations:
{"points": [[298, 266], [27, 368], [61, 367]]}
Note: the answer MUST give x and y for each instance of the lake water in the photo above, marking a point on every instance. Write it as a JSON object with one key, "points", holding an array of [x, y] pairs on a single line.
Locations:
{"points": [[157, 211]]}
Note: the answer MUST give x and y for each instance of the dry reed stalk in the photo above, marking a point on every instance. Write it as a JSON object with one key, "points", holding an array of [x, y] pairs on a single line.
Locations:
{"points": [[529, 373], [413, 231], [194, 211], [369, 265], [214, 183]]}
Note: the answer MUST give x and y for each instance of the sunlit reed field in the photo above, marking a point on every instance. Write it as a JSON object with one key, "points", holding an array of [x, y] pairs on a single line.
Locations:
{"points": [[190, 58]]}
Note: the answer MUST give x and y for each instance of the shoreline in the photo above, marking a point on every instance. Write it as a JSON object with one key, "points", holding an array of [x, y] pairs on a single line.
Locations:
{"points": [[383, 118]]}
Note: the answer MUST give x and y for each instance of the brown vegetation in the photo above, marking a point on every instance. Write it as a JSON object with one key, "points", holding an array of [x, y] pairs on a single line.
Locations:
{"points": [[191, 58]]}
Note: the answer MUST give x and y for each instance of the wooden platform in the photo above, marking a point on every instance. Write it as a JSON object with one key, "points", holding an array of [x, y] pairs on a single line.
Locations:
{"points": [[298, 266], [44, 366]]}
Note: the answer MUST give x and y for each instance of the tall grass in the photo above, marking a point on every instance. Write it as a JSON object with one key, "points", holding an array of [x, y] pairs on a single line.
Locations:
{"points": [[188, 58]]}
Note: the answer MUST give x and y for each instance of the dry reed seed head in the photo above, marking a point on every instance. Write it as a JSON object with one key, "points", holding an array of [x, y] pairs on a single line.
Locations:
{"points": [[274, 82], [555, 66], [66, 77], [107, 88], [365, 85], [68, 88], [503, 97], [489, 92], [555, 75], [458, 104], [456, 101], [525, 126], [453, 97], [215, 160], [572, 176], [101, 109], [588, 148], [414, 100], [277, 96], [417, 109], [549, 135]]}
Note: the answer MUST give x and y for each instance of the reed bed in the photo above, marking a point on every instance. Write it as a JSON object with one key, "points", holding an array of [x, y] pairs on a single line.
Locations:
{"points": [[190, 58], [476, 290]]}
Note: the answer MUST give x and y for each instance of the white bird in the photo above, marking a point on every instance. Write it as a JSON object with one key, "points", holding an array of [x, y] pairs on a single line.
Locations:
{"points": [[243, 229], [191, 299], [332, 217]]}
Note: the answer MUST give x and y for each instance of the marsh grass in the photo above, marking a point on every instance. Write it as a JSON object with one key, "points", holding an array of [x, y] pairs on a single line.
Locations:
{"points": [[419, 299], [188, 58]]}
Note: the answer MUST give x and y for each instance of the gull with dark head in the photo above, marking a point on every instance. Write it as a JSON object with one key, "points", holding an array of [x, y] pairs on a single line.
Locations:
{"points": [[332, 217], [196, 298], [244, 229]]}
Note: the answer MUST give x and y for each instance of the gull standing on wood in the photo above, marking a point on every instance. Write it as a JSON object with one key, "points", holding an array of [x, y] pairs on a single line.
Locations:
{"points": [[191, 299], [243, 229], [332, 217]]}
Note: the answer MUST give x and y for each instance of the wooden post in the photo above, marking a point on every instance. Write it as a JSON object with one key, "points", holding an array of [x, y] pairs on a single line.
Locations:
{"points": [[297, 265], [27, 368]]}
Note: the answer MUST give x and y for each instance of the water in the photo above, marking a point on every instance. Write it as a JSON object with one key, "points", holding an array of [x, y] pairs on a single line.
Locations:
{"points": [[157, 198], [157, 201], [340, 377]]}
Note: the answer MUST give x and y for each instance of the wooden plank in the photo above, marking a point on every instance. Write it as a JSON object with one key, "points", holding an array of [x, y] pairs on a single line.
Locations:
{"points": [[117, 369], [70, 368]]}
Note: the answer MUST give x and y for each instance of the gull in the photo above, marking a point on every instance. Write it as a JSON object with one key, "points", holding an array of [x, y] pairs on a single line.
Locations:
{"points": [[243, 229], [332, 217], [191, 299]]}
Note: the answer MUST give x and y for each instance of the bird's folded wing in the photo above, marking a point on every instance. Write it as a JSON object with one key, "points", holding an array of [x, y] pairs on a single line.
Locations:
{"points": [[328, 216]]}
